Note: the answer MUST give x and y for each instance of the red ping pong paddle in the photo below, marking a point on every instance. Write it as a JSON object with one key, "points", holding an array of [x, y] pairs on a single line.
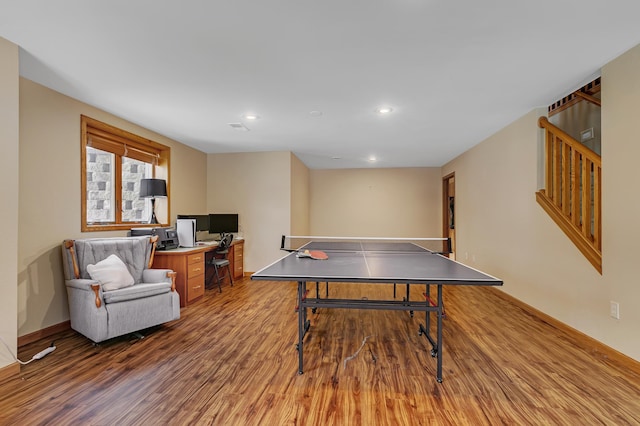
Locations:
{"points": [[313, 254]]}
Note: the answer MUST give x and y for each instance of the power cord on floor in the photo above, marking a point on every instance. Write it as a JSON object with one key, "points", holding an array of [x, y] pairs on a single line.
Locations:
{"points": [[39, 355]]}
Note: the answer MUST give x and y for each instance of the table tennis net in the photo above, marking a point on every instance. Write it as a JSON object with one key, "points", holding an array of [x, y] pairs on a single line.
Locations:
{"points": [[369, 244]]}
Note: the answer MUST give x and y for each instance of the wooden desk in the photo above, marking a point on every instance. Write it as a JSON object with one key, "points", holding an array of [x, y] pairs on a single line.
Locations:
{"points": [[236, 259], [190, 266]]}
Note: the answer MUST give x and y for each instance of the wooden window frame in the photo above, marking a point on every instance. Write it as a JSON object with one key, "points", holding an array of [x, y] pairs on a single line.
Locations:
{"points": [[108, 138]]}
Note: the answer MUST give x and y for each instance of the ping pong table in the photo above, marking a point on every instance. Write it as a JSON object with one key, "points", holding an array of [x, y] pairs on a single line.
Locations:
{"points": [[373, 261]]}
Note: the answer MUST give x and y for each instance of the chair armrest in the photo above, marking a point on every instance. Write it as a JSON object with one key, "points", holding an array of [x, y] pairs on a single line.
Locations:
{"points": [[69, 245], [88, 286], [159, 276], [81, 283]]}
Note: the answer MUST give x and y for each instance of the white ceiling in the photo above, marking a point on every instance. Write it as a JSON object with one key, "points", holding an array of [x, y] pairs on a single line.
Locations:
{"points": [[454, 72]]}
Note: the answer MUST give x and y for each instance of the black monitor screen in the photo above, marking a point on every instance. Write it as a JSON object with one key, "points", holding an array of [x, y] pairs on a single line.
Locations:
{"points": [[220, 222], [202, 220]]}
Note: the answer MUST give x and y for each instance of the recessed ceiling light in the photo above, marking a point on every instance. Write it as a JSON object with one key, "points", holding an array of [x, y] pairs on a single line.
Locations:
{"points": [[315, 113], [373, 159], [384, 110], [250, 117]]}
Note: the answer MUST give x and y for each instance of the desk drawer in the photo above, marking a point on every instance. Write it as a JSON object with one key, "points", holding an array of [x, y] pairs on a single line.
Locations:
{"points": [[190, 266], [194, 270], [195, 288], [238, 261], [238, 251], [195, 258]]}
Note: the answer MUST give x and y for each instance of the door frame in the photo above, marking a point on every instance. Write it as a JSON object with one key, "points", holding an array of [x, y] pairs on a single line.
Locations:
{"points": [[448, 216]]}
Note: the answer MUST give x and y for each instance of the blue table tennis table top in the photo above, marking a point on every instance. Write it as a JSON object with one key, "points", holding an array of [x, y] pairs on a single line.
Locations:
{"points": [[374, 262]]}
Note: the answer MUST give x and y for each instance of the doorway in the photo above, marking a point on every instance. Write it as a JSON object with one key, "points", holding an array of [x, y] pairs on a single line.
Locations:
{"points": [[448, 211]]}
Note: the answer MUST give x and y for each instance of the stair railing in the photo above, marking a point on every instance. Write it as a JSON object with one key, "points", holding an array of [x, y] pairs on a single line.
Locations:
{"points": [[572, 193]]}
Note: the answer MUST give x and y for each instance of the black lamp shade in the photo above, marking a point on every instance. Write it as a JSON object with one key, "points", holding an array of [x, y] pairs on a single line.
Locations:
{"points": [[153, 188]]}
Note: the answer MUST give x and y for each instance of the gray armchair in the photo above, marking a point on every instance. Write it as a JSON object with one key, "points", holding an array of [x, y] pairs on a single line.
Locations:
{"points": [[124, 295]]}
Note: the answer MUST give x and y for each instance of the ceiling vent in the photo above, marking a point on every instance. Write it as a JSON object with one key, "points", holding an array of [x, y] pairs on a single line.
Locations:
{"points": [[239, 127]]}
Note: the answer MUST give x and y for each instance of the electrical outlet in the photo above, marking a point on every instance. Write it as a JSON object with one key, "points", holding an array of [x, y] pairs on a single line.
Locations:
{"points": [[614, 310]]}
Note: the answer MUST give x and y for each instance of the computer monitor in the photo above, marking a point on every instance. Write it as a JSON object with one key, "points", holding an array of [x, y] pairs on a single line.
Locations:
{"points": [[202, 220], [222, 223]]}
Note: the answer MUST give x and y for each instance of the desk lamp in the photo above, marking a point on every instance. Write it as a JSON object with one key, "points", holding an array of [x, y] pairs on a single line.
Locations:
{"points": [[152, 188]]}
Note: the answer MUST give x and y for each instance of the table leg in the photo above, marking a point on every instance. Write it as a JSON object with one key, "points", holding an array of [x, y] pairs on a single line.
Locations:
{"points": [[439, 337], [313, 310], [436, 344], [407, 298], [428, 313], [302, 311]]}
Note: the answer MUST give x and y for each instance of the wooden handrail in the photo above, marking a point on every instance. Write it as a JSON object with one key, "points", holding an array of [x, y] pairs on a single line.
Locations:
{"points": [[544, 123], [588, 97], [572, 193]]}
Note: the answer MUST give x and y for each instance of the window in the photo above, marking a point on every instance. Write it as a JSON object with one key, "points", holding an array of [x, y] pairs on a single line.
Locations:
{"points": [[113, 163]]}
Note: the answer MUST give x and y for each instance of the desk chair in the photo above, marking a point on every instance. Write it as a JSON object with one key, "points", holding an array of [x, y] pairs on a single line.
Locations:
{"points": [[220, 260]]}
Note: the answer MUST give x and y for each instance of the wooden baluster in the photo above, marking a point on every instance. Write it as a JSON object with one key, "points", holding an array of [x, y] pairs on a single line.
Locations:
{"points": [[548, 162], [575, 188], [597, 220], [585, 226], [565, 179], [557, 170]]}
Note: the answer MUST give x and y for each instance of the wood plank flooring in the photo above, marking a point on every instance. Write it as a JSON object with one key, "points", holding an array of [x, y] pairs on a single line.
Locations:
{"points": [[231, 360]]}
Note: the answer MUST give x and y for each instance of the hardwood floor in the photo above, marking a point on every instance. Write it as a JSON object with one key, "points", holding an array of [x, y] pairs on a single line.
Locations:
{"points": [[231, 360]]}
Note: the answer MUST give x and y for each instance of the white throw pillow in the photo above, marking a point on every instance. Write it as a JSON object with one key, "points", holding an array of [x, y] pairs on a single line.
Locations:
{"points": [[111, 272]]}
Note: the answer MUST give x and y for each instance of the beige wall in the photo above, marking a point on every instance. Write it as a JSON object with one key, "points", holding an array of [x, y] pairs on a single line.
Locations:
{"points": [[502, 230], [299, 197], [376, 202], [257, 186], [621, 203], [9, 141], [49, 205]]}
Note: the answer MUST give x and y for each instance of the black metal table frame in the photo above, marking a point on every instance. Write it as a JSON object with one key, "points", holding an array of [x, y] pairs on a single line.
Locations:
{"points": [[428, 306]]}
